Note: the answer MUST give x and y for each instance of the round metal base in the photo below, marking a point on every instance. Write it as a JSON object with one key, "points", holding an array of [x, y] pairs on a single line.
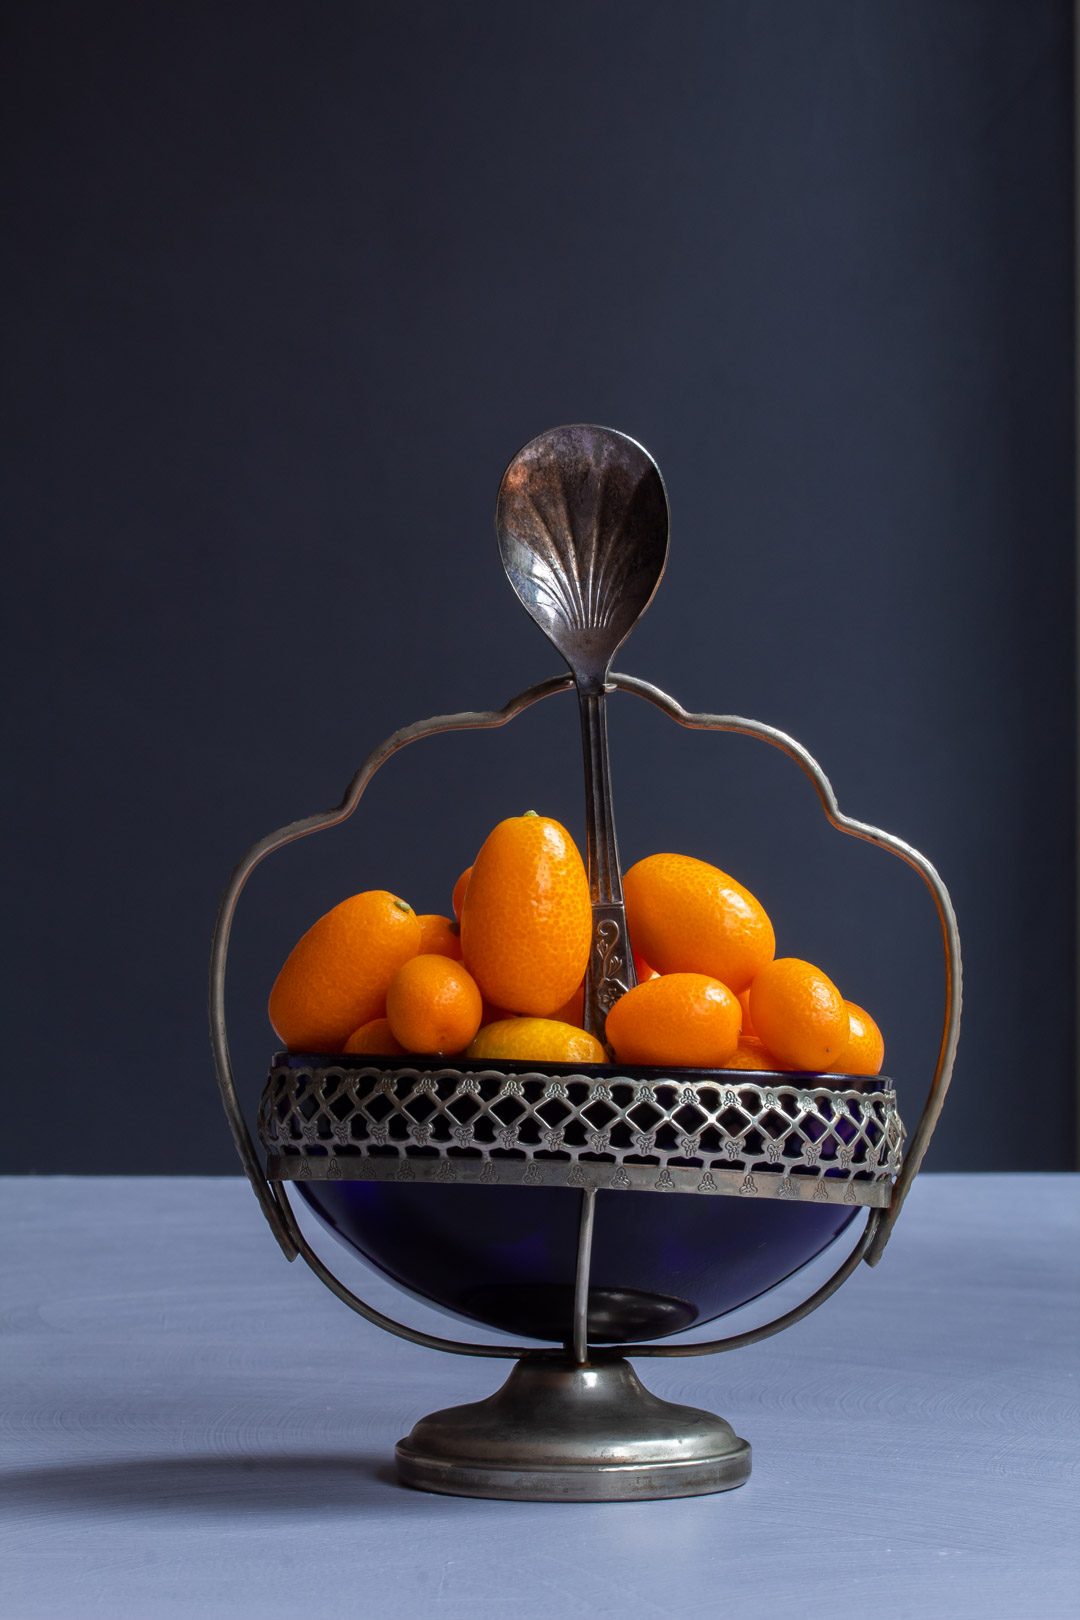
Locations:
{"points": [[558, 1432]]}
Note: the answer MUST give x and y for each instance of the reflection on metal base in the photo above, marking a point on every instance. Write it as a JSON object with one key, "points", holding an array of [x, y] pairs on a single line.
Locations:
{"points": [[557, 1432]]}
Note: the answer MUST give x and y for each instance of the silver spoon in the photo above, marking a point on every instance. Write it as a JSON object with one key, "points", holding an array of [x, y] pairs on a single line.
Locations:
{"points": [[582, 520]]}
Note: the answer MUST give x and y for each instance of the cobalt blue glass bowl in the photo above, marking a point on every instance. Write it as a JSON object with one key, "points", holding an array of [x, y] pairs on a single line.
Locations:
{"points": [[505, 1255]]}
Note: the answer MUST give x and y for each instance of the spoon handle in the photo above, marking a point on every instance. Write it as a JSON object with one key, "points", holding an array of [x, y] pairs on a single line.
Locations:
{"points": [[611, 964]]}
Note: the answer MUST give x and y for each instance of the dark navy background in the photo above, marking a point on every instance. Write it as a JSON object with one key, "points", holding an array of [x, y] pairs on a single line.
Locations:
{"points": [[288, 284]]}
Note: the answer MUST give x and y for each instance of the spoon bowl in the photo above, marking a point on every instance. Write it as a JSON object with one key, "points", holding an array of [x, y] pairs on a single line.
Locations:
{"points": [[582, 521]]}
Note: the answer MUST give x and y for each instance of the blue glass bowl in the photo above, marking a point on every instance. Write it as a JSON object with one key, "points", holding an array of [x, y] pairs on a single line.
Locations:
{"points": [[504, 1256]]}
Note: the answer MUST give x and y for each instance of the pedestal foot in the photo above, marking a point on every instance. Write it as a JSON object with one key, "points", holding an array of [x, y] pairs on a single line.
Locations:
{"points": [[558, 1432]]}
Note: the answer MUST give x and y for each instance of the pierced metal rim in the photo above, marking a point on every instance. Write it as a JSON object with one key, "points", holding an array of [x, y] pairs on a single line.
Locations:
{"points": [[800, 1138]]}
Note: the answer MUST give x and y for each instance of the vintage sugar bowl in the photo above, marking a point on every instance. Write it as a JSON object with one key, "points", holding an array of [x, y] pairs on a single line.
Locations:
{"points": [[592, 1210]]}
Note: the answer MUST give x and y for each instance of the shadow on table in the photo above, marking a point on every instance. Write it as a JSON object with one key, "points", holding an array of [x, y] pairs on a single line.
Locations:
{"points": [[299, 1485]]}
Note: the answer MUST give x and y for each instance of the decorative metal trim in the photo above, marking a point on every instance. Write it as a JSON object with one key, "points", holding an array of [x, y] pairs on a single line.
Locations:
{"points": [[730, 1133]]}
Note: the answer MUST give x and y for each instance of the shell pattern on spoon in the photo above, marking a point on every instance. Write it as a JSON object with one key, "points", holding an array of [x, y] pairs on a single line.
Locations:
{"points": [[582, 521]]}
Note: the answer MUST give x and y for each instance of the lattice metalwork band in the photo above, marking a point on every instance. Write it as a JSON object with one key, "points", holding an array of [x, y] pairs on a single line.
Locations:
{"points": [[817, 1141]]}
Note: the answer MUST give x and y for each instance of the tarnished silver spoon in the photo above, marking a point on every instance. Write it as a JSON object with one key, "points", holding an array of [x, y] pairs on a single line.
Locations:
{"points": [[582, 520]]}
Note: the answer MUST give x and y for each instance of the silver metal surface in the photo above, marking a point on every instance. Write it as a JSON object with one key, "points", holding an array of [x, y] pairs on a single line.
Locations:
{"points": [[582, 521], [559, 1432], [581, 1275], [814, 1138]]}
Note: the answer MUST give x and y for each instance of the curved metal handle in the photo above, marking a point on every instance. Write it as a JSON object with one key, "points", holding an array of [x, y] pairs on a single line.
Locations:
{"points": [[950, 1032], [739, 1341], [274, 1205]]}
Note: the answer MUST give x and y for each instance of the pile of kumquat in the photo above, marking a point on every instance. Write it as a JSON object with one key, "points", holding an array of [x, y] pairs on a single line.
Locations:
{"points": [[504, 980]]}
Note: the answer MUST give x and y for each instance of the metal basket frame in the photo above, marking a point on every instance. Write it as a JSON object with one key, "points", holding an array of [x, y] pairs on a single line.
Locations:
{"points": [[271, 1195]]}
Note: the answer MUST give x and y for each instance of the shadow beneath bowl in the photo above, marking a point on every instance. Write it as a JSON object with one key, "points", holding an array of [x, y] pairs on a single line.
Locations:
{"points": [[193, 1486], [545, 1310]]}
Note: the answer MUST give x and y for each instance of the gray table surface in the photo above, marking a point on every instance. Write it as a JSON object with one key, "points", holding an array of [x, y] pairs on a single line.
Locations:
{"points": [[190, 1426]]}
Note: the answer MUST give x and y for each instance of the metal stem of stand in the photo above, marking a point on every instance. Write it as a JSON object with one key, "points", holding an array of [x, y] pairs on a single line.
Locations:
{"points": [[581, 1276]]}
